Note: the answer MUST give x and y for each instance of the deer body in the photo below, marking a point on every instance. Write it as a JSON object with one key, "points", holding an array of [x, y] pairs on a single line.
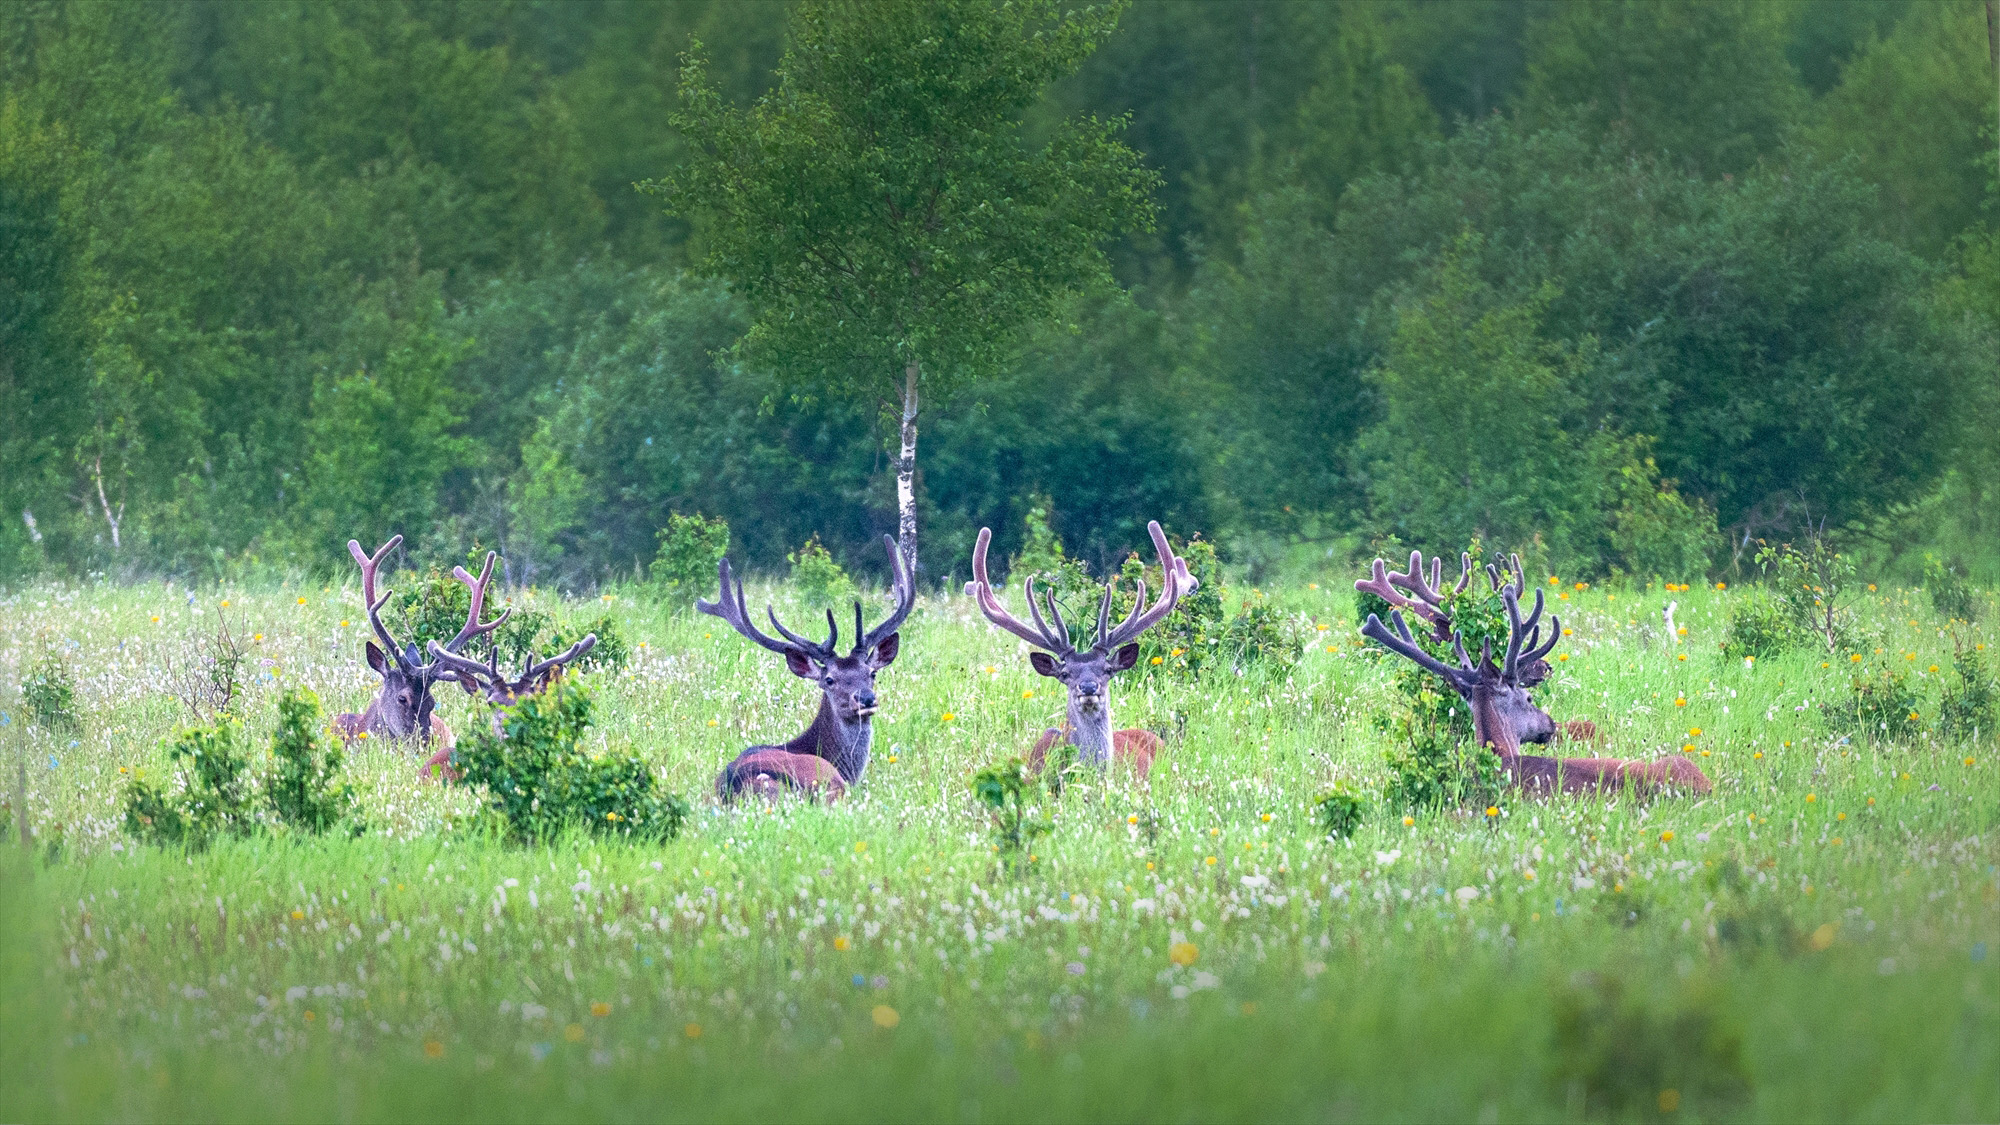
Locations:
{"points": [[1504, 717], [831, 755], [1087, 673]]}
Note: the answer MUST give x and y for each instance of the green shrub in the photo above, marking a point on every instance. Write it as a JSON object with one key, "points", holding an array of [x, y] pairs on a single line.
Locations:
{"points": [[610, 653], [1005, 790], [1759, 626], [818, 579], [1969, 702], [1340, 810], [691, 549], [1882, 706], [1952, 596], [1630, 1059], [539, 781], [304, 787], [1810, 585], [211, 794], [50, 695]]}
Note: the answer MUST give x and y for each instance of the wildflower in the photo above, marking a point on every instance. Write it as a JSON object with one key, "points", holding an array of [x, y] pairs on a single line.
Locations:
{"points": [[1583, 586], [1210, 861], [600, 1009], [1683, 656], [1835, 841], [1811, 797], [1934, 669], [948, 716], [1409, 821], [1569, 632], [1132, 818], [1680, 701], [225, 603], [1705, 753], [1667, 837], [840, 943], [1840, 816], [1322, 628], [1694, 732], [573, 1032], [1722, 585], [1159, 660], [1267, 818], [1670, 1100], [1215, 832], [1553, 580], [1687, 748], [433, 1049], [692, 1031], [302, 601], [1758, 754], [1871, 802], [714, 723], [298, 915], [156, 619], [885, 1017], [860, 846], [1529, 875], [1970, 762], [343, 624], [1492, 810], [1871, 587], [989, 669], [1562, 658], [1029, 694], [1182, 953]]}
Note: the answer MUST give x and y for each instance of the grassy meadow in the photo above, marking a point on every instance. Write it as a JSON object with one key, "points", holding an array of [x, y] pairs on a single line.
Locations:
{"points": [[1813, 941]]}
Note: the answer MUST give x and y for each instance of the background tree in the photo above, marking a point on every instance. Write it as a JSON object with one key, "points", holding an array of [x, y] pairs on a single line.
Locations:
{"points": [[881, 209]]}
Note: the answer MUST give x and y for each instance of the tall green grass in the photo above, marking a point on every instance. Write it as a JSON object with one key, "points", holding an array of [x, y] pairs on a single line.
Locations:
{"points": [[1811, 942]]}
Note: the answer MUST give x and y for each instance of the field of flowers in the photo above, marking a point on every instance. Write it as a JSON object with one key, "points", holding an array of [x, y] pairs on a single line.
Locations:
{"points": [[1811, 941]]}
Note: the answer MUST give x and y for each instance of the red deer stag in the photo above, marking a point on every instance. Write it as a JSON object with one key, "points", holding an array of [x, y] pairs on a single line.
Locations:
{"points": [[404, 706], [499, 689], [1503, 715], [832, 753], [1087, 674]]}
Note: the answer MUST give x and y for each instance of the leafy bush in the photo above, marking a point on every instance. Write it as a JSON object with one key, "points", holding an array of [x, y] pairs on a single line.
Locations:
{"points": [[1005, 789], [1952, 596], [1340, 810], [1969, 703], [1759, 626], [1883, 706], [50, 694], [304, 787], [818, 579], [691, 549], [610, 653], [211, 797], [539, 781], [1632, 1059], [1810, 585]]}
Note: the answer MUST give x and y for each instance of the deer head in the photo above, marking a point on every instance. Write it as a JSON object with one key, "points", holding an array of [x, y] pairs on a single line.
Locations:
{"points": [[403, 706], [1503, 714], [1086, 673], [846, 682], [498, 687]]}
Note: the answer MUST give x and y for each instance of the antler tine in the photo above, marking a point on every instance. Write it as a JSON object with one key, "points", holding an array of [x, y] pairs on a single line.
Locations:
{"points": [[462, 666], [1058, 637], [1464, 572], [1541, 652], [730, 608], [369, 565], [1517, 630], [981, 591], [1406, 647], [533, 671], [1458, 650], [1413, 580], [822, 652], [1104, 613], [1379, 583], [478, 585], [1176, 584], [902, 589]]}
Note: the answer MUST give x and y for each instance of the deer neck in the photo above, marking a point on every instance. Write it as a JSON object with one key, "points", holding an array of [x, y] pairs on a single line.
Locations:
{"points": [[1490, 727], [1090, 733], [845, 744]]}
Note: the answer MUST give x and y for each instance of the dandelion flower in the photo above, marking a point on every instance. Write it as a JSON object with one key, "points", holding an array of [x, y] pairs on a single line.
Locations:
{"points": [[1811, 797], [885, 1017], [948, 716], [840, 944], [1970, 761], [692, 1031], [1267, 818], [1492, 810], [1029, 694], [573, 1032], [433, 1049], [1408, 821], [1159, 660], [302, 601], [298, 915], [1182, 953], [600, 1009], [1210, 861], [1667, 837]]}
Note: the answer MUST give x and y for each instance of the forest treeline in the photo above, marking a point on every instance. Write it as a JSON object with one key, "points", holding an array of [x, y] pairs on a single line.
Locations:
{"points": [[1627, 284]]}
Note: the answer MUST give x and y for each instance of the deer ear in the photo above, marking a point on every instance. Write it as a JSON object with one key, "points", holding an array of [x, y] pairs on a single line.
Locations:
{"points": [[466, 683], [885, 650], [1124, 658], [1044, 663], [377, 660], [800, 664]]}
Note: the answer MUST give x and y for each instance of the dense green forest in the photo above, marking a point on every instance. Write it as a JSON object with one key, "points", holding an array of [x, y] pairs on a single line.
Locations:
{"points": [[1628, 284]]}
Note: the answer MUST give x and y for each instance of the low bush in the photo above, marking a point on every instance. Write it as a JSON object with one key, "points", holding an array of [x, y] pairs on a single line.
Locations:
{"points": [[539, 781], [304, 788], [1629, 1059], [1758, 627], [1952, 596], [820, 581], [1006, 790], [211, 794], [1969, 701], [1340, 810], [1881, 706], [50, 695]]}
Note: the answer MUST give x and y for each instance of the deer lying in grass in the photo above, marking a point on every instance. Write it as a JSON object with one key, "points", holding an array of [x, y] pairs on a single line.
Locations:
{"points": [[1503, 716], [1087, 674], [831, 754], [499, 689], [404, 706]]}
